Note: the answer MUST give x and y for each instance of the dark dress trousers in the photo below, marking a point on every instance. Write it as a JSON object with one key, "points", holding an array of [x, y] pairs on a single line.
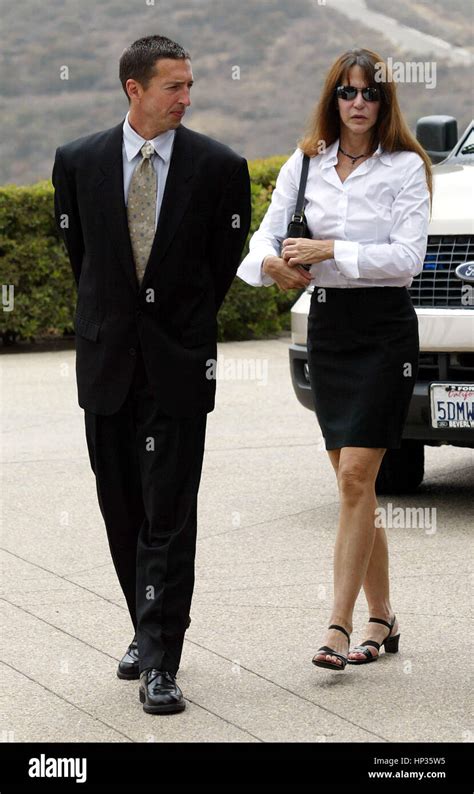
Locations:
{"points": [[142, 358]]}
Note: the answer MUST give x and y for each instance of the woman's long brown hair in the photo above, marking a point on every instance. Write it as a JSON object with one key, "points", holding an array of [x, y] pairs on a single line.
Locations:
{"points": [[391, 129]]}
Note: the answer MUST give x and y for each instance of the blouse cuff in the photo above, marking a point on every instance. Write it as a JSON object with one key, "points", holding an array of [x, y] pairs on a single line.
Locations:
{"points": [[250, 269], [346, 255]]}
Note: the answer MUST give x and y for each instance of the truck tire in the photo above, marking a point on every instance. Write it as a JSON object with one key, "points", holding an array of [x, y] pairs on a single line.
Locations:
{"points": [[402, 469]]}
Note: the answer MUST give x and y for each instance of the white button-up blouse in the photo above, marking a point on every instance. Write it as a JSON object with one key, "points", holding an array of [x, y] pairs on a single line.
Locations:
{"points": [[378, 218]]}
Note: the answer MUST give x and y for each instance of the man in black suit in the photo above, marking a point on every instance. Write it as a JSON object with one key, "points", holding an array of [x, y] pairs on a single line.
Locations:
{"points": [[154, 217]]}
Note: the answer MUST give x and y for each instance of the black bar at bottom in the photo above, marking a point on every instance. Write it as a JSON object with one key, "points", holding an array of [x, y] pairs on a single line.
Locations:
{"points": [[165, 768]]}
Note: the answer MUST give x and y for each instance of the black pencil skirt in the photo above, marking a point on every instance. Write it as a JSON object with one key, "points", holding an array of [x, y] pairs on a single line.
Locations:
{"points": [[363, 361]]}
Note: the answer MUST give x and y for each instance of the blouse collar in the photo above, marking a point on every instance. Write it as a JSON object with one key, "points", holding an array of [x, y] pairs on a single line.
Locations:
{"points": [[329, 157]]}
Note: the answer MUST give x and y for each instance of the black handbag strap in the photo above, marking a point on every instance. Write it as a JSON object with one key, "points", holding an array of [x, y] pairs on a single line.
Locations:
{"points": [[298, 214]]}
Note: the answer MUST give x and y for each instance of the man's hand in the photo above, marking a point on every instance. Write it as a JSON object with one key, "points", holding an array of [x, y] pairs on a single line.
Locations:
{"points": [[302, 251], [285, 276]]}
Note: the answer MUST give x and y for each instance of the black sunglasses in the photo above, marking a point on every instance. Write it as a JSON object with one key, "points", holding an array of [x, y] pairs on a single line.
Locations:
{"points": [[370, 93]]}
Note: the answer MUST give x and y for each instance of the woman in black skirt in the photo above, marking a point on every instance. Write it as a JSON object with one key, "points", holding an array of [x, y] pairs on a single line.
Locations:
{"points": [[367, 204]]}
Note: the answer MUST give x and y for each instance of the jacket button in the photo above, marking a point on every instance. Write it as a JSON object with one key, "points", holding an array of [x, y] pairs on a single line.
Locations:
{"points": [[132, 351]]}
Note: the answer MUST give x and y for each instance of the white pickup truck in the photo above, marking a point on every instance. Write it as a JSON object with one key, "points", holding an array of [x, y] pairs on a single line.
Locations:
{"points": [[442, 406]]}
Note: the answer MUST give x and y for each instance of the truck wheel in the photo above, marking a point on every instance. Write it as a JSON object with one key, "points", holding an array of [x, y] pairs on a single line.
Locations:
{"points": [[402, 469]]}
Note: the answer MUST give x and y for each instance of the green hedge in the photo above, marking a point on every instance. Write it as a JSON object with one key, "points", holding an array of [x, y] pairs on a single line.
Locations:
{"points": [[34, 260]]}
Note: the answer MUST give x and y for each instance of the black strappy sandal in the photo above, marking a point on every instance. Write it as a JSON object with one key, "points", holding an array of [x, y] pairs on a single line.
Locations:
{"points": [[390, 644], [329, 651]]}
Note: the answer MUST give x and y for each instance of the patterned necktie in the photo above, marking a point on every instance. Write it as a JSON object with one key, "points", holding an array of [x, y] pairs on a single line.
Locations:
{"points": [[141, 209]]}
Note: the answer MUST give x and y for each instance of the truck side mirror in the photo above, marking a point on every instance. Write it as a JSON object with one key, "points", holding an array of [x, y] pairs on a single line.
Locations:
{"points": [[438, 135]]}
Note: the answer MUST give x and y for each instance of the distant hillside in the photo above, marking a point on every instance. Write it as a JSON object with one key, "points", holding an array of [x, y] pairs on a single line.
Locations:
{"points": [[452, 22], [283, 49]]}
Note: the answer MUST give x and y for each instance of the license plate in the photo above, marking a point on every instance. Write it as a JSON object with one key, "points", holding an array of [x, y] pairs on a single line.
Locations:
{"points": [[452, 404]]}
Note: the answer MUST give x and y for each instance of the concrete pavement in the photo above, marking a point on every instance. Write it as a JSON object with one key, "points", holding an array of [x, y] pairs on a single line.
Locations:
{"points": [[268, 511]]}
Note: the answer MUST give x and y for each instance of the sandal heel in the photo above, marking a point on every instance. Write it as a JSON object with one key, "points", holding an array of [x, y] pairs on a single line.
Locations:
{"points": [[391, 644]]}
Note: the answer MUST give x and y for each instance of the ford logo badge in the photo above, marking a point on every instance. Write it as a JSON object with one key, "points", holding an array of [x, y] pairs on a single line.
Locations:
{"points": [[466, 272]]}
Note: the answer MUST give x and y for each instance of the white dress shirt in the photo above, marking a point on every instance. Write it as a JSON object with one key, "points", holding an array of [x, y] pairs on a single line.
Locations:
{"points": [[131, 144], [378, 218]]}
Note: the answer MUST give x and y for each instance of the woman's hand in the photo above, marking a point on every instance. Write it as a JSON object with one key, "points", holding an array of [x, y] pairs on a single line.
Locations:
{"points": [[285, 276], [302, 251]]}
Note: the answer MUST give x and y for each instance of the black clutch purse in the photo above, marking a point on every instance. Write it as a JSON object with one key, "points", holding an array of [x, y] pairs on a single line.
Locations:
{"points": [[298, 227]]}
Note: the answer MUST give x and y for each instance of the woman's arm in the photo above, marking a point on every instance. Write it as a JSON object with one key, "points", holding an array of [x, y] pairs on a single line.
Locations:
{"points": [[267, 240], [286, 276]]}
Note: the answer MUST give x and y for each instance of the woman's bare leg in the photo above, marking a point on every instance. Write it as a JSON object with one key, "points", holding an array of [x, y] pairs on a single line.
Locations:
{"points": [[376, 583], [357, 469], [377, 593]]}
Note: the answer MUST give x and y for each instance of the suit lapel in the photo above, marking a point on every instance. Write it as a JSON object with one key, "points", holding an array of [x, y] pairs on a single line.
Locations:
{"points": [[109, 187]]}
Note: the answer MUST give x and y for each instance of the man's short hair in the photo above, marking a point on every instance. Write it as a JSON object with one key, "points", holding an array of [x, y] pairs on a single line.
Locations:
{"points": [[138, 61]]}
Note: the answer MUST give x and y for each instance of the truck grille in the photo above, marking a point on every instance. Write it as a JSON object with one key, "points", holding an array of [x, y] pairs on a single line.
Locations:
{"points": [[437, 284], [456, 367]]}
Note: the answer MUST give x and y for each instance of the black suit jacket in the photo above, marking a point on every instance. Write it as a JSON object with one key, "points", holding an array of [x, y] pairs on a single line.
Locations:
{"points": [[203, 224]]}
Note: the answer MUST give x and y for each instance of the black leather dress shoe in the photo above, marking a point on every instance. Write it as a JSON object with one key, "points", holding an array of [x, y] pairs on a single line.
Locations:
{"points": [[128, 665], [159, 692]]}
